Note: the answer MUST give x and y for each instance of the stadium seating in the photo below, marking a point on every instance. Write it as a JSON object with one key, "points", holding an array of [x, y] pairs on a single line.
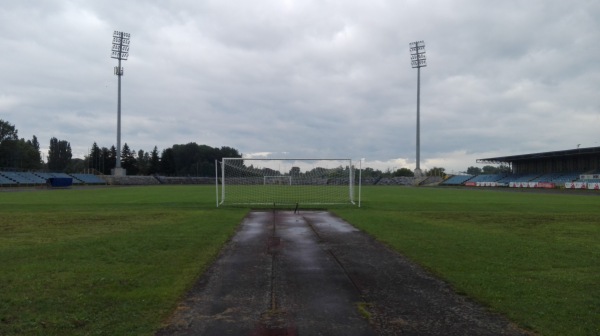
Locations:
{"points": [[398, 180], [131, 180], [88, 179], [487, 178], [518, 178], [457, 180], [33, 177], [569, 177], [558, 178], [5, 181], [19, 178], [550, 177], [11, 178], [45, 176]]}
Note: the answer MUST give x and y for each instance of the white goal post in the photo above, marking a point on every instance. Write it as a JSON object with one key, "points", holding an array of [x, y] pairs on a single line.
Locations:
{"points": [[312, 182]]}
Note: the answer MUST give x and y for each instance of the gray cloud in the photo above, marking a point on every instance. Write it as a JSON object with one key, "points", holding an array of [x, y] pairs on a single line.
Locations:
{"points": [[308, 78]]}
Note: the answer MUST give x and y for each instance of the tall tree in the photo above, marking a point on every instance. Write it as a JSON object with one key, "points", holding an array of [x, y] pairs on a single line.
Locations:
{"points": [[19, 154], [473, 170], [128, 161], [7, 131], [34, 154], [107, 159], [35, 143], [112, 159], [226, 151], [370, 172], [436, 171], [490, 170], [142, 162], [59, 155], [404, 172], [8, 145], [94, 161], [154, 166], [75, 166], [167, 162], [295, 171]]}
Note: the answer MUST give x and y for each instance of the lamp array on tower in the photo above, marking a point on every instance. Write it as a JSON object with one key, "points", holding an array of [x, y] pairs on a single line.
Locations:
{"points": [[120, 51], [418, 60]]}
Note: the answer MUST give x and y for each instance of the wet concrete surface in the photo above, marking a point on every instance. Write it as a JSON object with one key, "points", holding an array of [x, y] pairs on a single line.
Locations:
{"points": [[311, 273]]}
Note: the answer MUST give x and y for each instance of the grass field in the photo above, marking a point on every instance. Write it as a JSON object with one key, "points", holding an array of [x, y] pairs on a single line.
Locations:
{"points": [[115, 261], [287, 194]]}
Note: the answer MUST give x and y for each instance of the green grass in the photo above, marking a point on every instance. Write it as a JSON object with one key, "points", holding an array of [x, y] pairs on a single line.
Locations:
{"points": [[532, 257], [115, 261], [111, 261], [286, 194]]}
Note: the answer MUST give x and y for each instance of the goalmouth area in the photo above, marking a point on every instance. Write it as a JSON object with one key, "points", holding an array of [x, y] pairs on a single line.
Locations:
{"points": [[313, 182]]}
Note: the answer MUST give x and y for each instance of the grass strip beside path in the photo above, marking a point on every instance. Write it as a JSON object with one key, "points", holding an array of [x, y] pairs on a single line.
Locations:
{"points": [[112, 261], [533, 257]]}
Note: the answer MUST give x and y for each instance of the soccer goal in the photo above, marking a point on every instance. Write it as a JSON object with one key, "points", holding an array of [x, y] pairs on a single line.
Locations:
{"points": [[287, 181]]}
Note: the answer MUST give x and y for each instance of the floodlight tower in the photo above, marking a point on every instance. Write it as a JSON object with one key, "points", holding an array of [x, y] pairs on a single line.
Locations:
{"points": [[120, 51], [418, 60]]}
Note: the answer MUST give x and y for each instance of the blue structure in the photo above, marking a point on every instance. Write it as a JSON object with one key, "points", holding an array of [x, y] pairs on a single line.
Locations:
{"points": [[60, 182]]}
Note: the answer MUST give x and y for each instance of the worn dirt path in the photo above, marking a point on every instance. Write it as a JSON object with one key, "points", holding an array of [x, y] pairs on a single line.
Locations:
{"points": [[311, 273]]}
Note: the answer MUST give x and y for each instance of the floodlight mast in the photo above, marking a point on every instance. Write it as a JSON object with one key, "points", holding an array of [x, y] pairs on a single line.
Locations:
{"points": [[418, 60], [120, 51]]}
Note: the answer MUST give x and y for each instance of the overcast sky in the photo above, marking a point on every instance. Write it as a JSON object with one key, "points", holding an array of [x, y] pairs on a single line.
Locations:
{"points": [[308, 79]]}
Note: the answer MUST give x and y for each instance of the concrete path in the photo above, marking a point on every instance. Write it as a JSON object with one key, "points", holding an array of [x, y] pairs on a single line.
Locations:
{"points": [[311, 273]]}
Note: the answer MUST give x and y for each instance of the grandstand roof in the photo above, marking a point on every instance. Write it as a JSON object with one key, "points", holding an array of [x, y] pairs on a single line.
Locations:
{"points": [[544, 155]]}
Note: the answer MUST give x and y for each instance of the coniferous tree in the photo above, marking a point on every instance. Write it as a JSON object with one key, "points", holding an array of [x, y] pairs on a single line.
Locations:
{"points": [[154, 166], [34, 155], [95, 158], [128, 161], [107, 159], [35, 143], [142, 162], [112, 159]]}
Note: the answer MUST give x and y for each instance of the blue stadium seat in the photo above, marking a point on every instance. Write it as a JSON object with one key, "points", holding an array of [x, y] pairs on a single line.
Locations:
{"points": [[88, 178], [5, 180], [17, 178], [457, 180], [487, 178]]}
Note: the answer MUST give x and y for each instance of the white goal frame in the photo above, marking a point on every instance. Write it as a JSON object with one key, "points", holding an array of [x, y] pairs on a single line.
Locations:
{"points": [[313, 182]]}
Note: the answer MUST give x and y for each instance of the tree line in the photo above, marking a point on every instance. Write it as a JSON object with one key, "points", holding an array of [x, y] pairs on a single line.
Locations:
{"points": [[188, 159], [179, 160], [15, 152], [489, 170]]}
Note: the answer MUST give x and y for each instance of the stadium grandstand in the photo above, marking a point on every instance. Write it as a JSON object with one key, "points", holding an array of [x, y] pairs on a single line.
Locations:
{"points": [[572, 169], [30, 179], [33, 179]]}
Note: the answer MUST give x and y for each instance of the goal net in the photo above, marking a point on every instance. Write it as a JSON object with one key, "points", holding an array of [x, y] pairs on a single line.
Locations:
{"points": [[287, 182]]}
